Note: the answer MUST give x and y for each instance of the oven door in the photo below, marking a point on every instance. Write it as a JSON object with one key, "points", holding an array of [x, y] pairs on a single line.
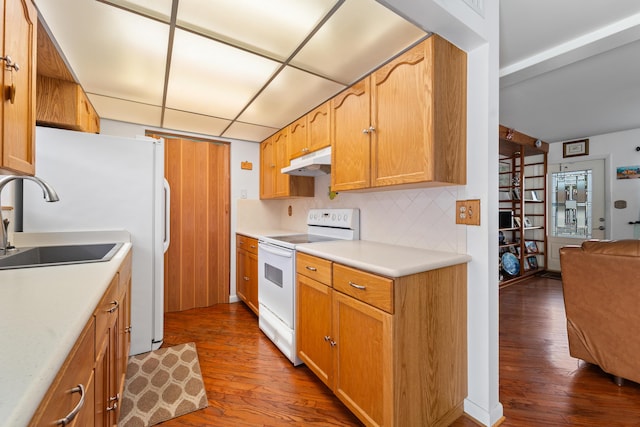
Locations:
{"points": [[276, 271]]}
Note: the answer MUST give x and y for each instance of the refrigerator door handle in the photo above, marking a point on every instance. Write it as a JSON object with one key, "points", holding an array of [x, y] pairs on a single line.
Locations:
{"points": [[167, 215]]}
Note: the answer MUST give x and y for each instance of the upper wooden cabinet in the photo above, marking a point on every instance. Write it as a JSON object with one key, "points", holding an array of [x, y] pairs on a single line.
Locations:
{"points": [[274, 155], [350, 146], [298, 138], [267, 169], [61, 102], [310, 132], [18, 117], [405, 123], [64, 104], [319, 127]]}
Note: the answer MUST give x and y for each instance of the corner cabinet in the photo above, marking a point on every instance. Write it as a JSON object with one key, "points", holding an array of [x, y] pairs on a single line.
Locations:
{"points": [[18, 116], [247, 271], [522, 245], [405, 123], [393, 350]]}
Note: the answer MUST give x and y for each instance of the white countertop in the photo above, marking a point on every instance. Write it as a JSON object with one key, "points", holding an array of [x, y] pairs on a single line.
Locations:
{"points": [[42, 313], [381, 258]]}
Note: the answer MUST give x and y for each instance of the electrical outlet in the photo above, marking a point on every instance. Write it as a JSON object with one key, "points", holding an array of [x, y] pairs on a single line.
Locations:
{"points": [[468, 212]]}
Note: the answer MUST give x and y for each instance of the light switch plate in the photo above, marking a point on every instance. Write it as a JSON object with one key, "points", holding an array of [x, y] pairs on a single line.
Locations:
{"points": [[468, 212]]}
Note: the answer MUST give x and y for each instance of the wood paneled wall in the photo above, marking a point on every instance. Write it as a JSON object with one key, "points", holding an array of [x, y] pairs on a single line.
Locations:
{"points": [[197, 262]]}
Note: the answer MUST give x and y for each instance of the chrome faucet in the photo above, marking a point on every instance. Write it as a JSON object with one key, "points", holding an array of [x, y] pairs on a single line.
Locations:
{"points": [[50, 195]]}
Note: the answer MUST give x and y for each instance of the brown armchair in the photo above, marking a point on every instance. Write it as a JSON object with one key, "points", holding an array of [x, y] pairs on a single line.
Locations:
{"points": [[601, 287]]}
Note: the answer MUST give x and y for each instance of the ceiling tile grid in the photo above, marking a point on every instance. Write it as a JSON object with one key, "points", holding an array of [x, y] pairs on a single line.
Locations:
{"points": [[238, 69]]}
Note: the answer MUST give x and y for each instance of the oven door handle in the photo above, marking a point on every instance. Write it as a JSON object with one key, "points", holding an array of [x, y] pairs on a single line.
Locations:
{"points": [[275, 251]]}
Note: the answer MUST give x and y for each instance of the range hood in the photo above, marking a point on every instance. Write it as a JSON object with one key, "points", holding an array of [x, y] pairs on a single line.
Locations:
{"points": [[312, 164]]}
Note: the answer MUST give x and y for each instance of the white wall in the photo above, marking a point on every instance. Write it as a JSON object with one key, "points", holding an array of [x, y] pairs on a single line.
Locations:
{"points": [[617, 149]]}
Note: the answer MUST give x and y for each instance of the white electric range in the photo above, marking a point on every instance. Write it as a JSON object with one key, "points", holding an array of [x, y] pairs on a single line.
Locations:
{"points": [[277, 270]]}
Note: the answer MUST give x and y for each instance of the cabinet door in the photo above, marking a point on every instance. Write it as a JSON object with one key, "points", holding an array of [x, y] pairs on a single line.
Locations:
{"points": [[350, 152], [313, 333], [252, 272], [280, 141], [124, 315], [363, 359], [241, 277], [19, 114], [298, 145], [267, 169], [101, 378], [402, 104], [319, 127]]}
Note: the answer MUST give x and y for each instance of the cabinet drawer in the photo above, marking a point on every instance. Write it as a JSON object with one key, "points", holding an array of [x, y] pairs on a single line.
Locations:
{"points": [[247, 243], [316, 268], [374, 290], [64, 394]]}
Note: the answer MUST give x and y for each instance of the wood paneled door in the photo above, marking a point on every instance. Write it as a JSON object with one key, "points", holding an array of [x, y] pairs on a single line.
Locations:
{"points": [[197, 262]]}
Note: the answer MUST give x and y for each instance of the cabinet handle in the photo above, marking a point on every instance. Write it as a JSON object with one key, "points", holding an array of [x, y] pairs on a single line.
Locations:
{"points": [[355, 285], [246, 278], [66, 420], [128, 329], [9, 64], [333, 343], [253, 246], [370, 130], [115, 305], [112, 408], [114, 398], [311, 268], [327, 338]]}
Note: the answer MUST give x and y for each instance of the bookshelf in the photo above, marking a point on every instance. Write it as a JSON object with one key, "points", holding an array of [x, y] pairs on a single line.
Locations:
{"points": [[522, 245]]}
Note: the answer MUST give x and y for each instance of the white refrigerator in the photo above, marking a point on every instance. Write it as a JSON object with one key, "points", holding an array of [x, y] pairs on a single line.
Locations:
{"points": [[109, 183]]}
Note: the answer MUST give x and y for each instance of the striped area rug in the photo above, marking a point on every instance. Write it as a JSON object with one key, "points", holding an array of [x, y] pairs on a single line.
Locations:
{"points": [[162, 384]]}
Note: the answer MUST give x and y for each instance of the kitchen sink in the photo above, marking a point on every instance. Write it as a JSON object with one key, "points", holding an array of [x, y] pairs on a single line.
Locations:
{"points": [[43, 256]]}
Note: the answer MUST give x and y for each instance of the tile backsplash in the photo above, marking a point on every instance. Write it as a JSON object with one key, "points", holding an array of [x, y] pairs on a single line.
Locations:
{"points": [[421, 218]]}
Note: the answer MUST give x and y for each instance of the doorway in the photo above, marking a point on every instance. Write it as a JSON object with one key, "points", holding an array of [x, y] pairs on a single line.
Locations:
{"points": [[577, 206], [197, 262]]}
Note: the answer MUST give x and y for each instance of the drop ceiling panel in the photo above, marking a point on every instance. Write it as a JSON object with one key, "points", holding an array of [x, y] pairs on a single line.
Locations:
{"points": [[212, 78], [249, 132], [291, 94], [126, 111], [112, 52], [160, 9], [190, 122], [361, 35], [274, 28]]}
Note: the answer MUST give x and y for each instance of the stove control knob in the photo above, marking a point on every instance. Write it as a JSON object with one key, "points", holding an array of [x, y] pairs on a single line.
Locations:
{"points": [[333, 217]]}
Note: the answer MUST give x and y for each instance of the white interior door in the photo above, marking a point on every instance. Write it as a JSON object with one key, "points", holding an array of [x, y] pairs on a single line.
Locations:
{"points": [[576, 206]]}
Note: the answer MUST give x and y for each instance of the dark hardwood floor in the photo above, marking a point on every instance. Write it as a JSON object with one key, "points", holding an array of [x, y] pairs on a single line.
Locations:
{"points": [[250, 383]]}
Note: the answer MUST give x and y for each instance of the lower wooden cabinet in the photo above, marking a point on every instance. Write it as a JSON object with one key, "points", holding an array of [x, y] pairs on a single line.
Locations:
{"points": [[86, 391], [247, 271], [72, 390], [398, 366]]}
